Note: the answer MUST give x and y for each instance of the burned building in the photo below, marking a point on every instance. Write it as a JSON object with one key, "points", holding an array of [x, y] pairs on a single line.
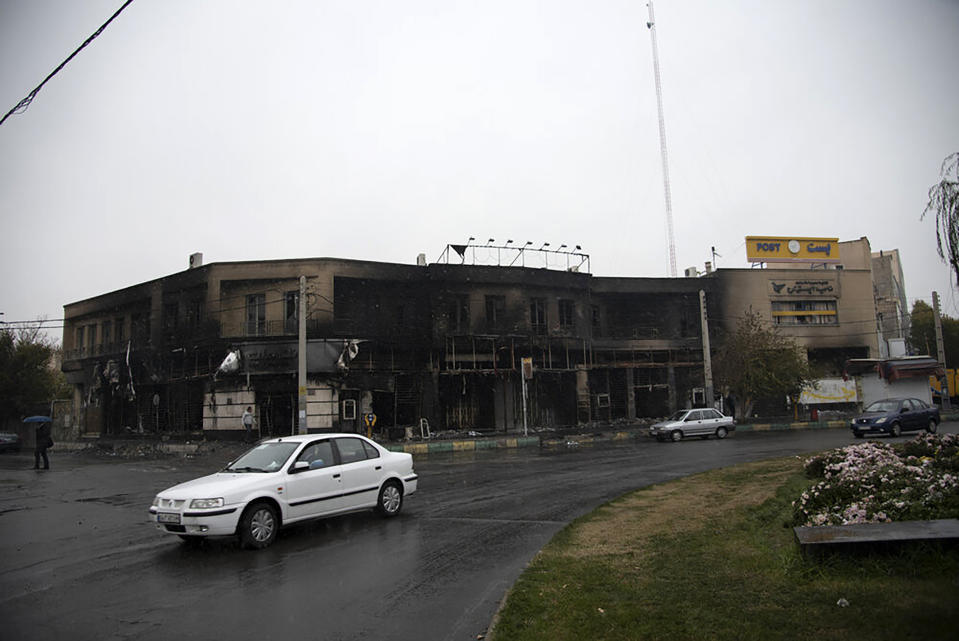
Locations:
{"points": [[438, 342]]}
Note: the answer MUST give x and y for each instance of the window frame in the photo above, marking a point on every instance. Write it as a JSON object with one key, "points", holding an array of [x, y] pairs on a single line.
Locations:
{"points": [[538, 316], [255, 306], [567, 313]]}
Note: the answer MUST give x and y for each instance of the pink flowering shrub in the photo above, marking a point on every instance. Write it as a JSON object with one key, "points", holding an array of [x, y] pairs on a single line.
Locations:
{"points": [[875, 482]]}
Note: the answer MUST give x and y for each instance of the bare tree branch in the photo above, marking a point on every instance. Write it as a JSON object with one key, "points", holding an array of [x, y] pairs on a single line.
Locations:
{"points": [[944, 201]]}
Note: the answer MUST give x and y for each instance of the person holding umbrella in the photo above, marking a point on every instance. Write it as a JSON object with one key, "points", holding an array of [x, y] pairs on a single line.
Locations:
{"points": [[44, 440]]}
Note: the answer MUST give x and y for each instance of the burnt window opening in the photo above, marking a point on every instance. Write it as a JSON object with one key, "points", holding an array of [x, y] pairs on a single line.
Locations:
{"points": [[291, 304], [140, 328], [596, 320], [458, 314], [80, 337], [255, 314], [106, 332], [537, 315], [495, 312], [91, 336], [567, 313], [118, 326], [194, 313], [171, 313]]}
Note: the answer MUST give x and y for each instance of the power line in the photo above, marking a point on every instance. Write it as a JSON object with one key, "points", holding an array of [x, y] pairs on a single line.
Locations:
{"points": [[25, 103]]}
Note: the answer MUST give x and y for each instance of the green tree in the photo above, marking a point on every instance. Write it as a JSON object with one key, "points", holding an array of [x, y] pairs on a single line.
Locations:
{"points": [[922, 334], [944, 201], [26, 375], [756, 362]]}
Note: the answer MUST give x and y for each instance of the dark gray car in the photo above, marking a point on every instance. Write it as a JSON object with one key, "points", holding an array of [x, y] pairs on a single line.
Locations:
{"points": [[893, 416]]}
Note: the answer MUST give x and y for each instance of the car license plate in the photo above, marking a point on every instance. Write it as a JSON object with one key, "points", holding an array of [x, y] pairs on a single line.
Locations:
{"points": [[168, 517]]}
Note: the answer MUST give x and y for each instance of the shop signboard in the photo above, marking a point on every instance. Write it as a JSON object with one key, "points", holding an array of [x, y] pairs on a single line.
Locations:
{"points": [[785, 249]]}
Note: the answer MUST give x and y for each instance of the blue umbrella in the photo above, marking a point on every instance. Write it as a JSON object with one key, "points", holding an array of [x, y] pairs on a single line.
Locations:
{"points": [[37, 419]]}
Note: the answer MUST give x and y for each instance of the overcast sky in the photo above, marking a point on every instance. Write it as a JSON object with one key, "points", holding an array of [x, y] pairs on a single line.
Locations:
{"points": [[377, 130]]}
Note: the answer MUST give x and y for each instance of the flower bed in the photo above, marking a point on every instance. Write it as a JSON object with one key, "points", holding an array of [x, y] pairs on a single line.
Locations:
{"points": [[875, 482]]}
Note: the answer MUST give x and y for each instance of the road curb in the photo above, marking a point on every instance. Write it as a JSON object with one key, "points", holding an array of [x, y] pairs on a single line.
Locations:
{"points": [[469, 445], [133, 448]]}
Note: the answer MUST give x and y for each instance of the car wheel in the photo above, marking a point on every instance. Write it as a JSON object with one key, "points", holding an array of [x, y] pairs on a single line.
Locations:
{"points": [[258, 525], [390, 501], [895, 430], [676, 435], [721, 432], [932, 427]]}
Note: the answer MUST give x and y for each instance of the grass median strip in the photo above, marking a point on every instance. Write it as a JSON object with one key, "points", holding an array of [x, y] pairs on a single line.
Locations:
{"points": [[711, 557]]}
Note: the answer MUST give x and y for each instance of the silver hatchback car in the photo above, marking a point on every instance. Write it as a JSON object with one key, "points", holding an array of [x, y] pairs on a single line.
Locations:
{"points": [[703, 422]]}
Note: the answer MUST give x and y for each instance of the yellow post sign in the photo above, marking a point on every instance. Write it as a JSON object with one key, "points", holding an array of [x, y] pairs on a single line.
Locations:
{"points": [[784, 249], [527, 368], [370, 420]]}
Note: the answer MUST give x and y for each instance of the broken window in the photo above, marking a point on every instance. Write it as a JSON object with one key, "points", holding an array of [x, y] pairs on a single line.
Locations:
{"points": [[458, 314], [537, 315], [194, 313], [140, 327], [495, 311], [255, 314], [291, 312], [567, 309], [171, 313]]}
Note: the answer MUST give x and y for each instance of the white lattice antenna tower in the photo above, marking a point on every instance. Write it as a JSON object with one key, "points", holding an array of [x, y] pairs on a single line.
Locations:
{"points": [[662, 145]]}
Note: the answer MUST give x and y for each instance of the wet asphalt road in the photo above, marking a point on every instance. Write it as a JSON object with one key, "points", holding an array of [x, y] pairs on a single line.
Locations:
{"points": [[80, 560]]}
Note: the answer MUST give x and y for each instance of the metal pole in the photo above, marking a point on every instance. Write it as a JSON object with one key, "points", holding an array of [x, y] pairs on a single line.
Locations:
{"points": [[662, 144], [940, 347], [301, 354], [525, 428]]}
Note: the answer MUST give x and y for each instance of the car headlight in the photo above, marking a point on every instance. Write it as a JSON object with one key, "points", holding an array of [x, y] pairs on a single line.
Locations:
{"points": [[881, 420], [200, 504]]}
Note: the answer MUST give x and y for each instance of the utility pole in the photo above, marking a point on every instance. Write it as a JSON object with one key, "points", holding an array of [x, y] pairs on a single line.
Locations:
{"points": [[301, 364], [707, 358], [671, 242], [527, 374], [940, 346]]}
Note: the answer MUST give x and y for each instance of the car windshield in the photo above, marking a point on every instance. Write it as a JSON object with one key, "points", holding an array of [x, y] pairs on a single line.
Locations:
{"points": [[678, 416], [267, 457], [883, 406]]}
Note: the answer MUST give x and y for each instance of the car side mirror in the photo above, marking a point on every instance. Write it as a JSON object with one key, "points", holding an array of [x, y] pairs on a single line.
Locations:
{"points": [[299, 466]]}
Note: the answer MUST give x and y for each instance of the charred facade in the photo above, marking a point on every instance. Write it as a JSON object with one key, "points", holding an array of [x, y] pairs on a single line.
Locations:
{"points": [[441, 343]]}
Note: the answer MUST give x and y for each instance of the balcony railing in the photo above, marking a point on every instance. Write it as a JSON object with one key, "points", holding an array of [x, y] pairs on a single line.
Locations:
{"points": [[289, 327]]}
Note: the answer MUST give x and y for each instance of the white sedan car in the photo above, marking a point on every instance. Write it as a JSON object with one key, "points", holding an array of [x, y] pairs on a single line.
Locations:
{"points": [[285, 480], [703, 422]]}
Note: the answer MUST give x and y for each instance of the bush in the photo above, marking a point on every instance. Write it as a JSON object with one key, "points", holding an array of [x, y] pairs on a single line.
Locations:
{"points": [[876, 482]]}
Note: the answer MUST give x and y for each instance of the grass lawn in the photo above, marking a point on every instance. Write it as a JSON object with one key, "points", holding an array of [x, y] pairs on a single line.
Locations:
{"points": [[711, 557]]}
